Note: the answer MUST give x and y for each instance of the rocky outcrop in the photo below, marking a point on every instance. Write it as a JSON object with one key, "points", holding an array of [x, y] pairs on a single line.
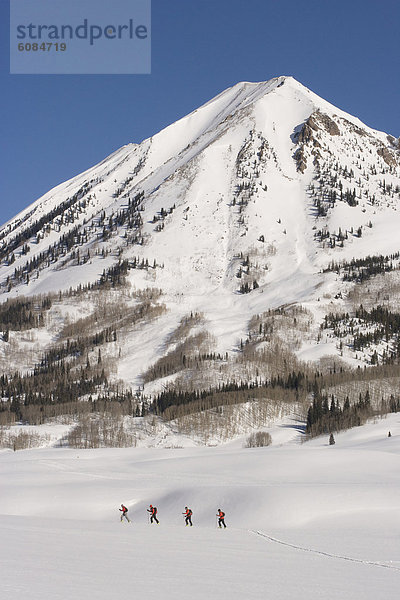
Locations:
{"points": [[316, 122], [301, 160], [394, 142], [327, 123], [306, 133], [387, 156], [352, 127]]}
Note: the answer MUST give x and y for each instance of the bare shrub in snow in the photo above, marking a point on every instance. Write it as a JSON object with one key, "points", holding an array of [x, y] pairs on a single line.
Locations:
{"points": [[21, 440], [185, 355], [186, 324], [101, 431], [258, 439], [115, 314]]}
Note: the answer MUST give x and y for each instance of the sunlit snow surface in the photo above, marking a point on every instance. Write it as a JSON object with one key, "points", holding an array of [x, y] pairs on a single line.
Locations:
{"points": [[305, 521]]}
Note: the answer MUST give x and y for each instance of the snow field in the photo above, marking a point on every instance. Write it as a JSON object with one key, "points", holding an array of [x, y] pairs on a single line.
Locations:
{"points": [[329, 518]]}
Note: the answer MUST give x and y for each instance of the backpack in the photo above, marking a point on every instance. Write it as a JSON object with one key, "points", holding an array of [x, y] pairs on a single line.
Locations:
{"points": [[221, 514], [154, 510], [189, 513]]}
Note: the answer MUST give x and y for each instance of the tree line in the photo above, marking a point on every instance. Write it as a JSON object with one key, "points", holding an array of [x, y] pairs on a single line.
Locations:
{"points": [[326, 415]]}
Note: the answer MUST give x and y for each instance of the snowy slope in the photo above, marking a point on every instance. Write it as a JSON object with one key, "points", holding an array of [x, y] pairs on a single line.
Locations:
{"points": [[308, 520], [235, 197]]}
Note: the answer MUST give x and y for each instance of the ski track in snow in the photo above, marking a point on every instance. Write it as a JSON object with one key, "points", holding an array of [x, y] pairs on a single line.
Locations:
{"points": [[322, 553]]}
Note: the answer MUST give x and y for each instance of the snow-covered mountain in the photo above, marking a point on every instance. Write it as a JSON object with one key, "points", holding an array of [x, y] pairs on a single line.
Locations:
{"points": [[258, 200]]}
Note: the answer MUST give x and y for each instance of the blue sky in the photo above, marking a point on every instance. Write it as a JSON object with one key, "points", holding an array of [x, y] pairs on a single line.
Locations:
{"points": [[55, 126]]}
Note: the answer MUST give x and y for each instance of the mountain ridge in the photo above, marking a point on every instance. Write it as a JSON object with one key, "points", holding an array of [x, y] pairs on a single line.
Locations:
{"points": [[276, 82]]}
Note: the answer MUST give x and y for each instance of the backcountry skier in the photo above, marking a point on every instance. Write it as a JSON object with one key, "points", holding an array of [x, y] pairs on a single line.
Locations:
{"points": [[124, 510], [188, 516], [221, 518], [153, 514]]}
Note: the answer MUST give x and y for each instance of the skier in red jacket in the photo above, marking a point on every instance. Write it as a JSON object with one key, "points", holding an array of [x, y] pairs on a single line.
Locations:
{"points": [[153, 514], [221, 518], [188, 516], [124, 510]]}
